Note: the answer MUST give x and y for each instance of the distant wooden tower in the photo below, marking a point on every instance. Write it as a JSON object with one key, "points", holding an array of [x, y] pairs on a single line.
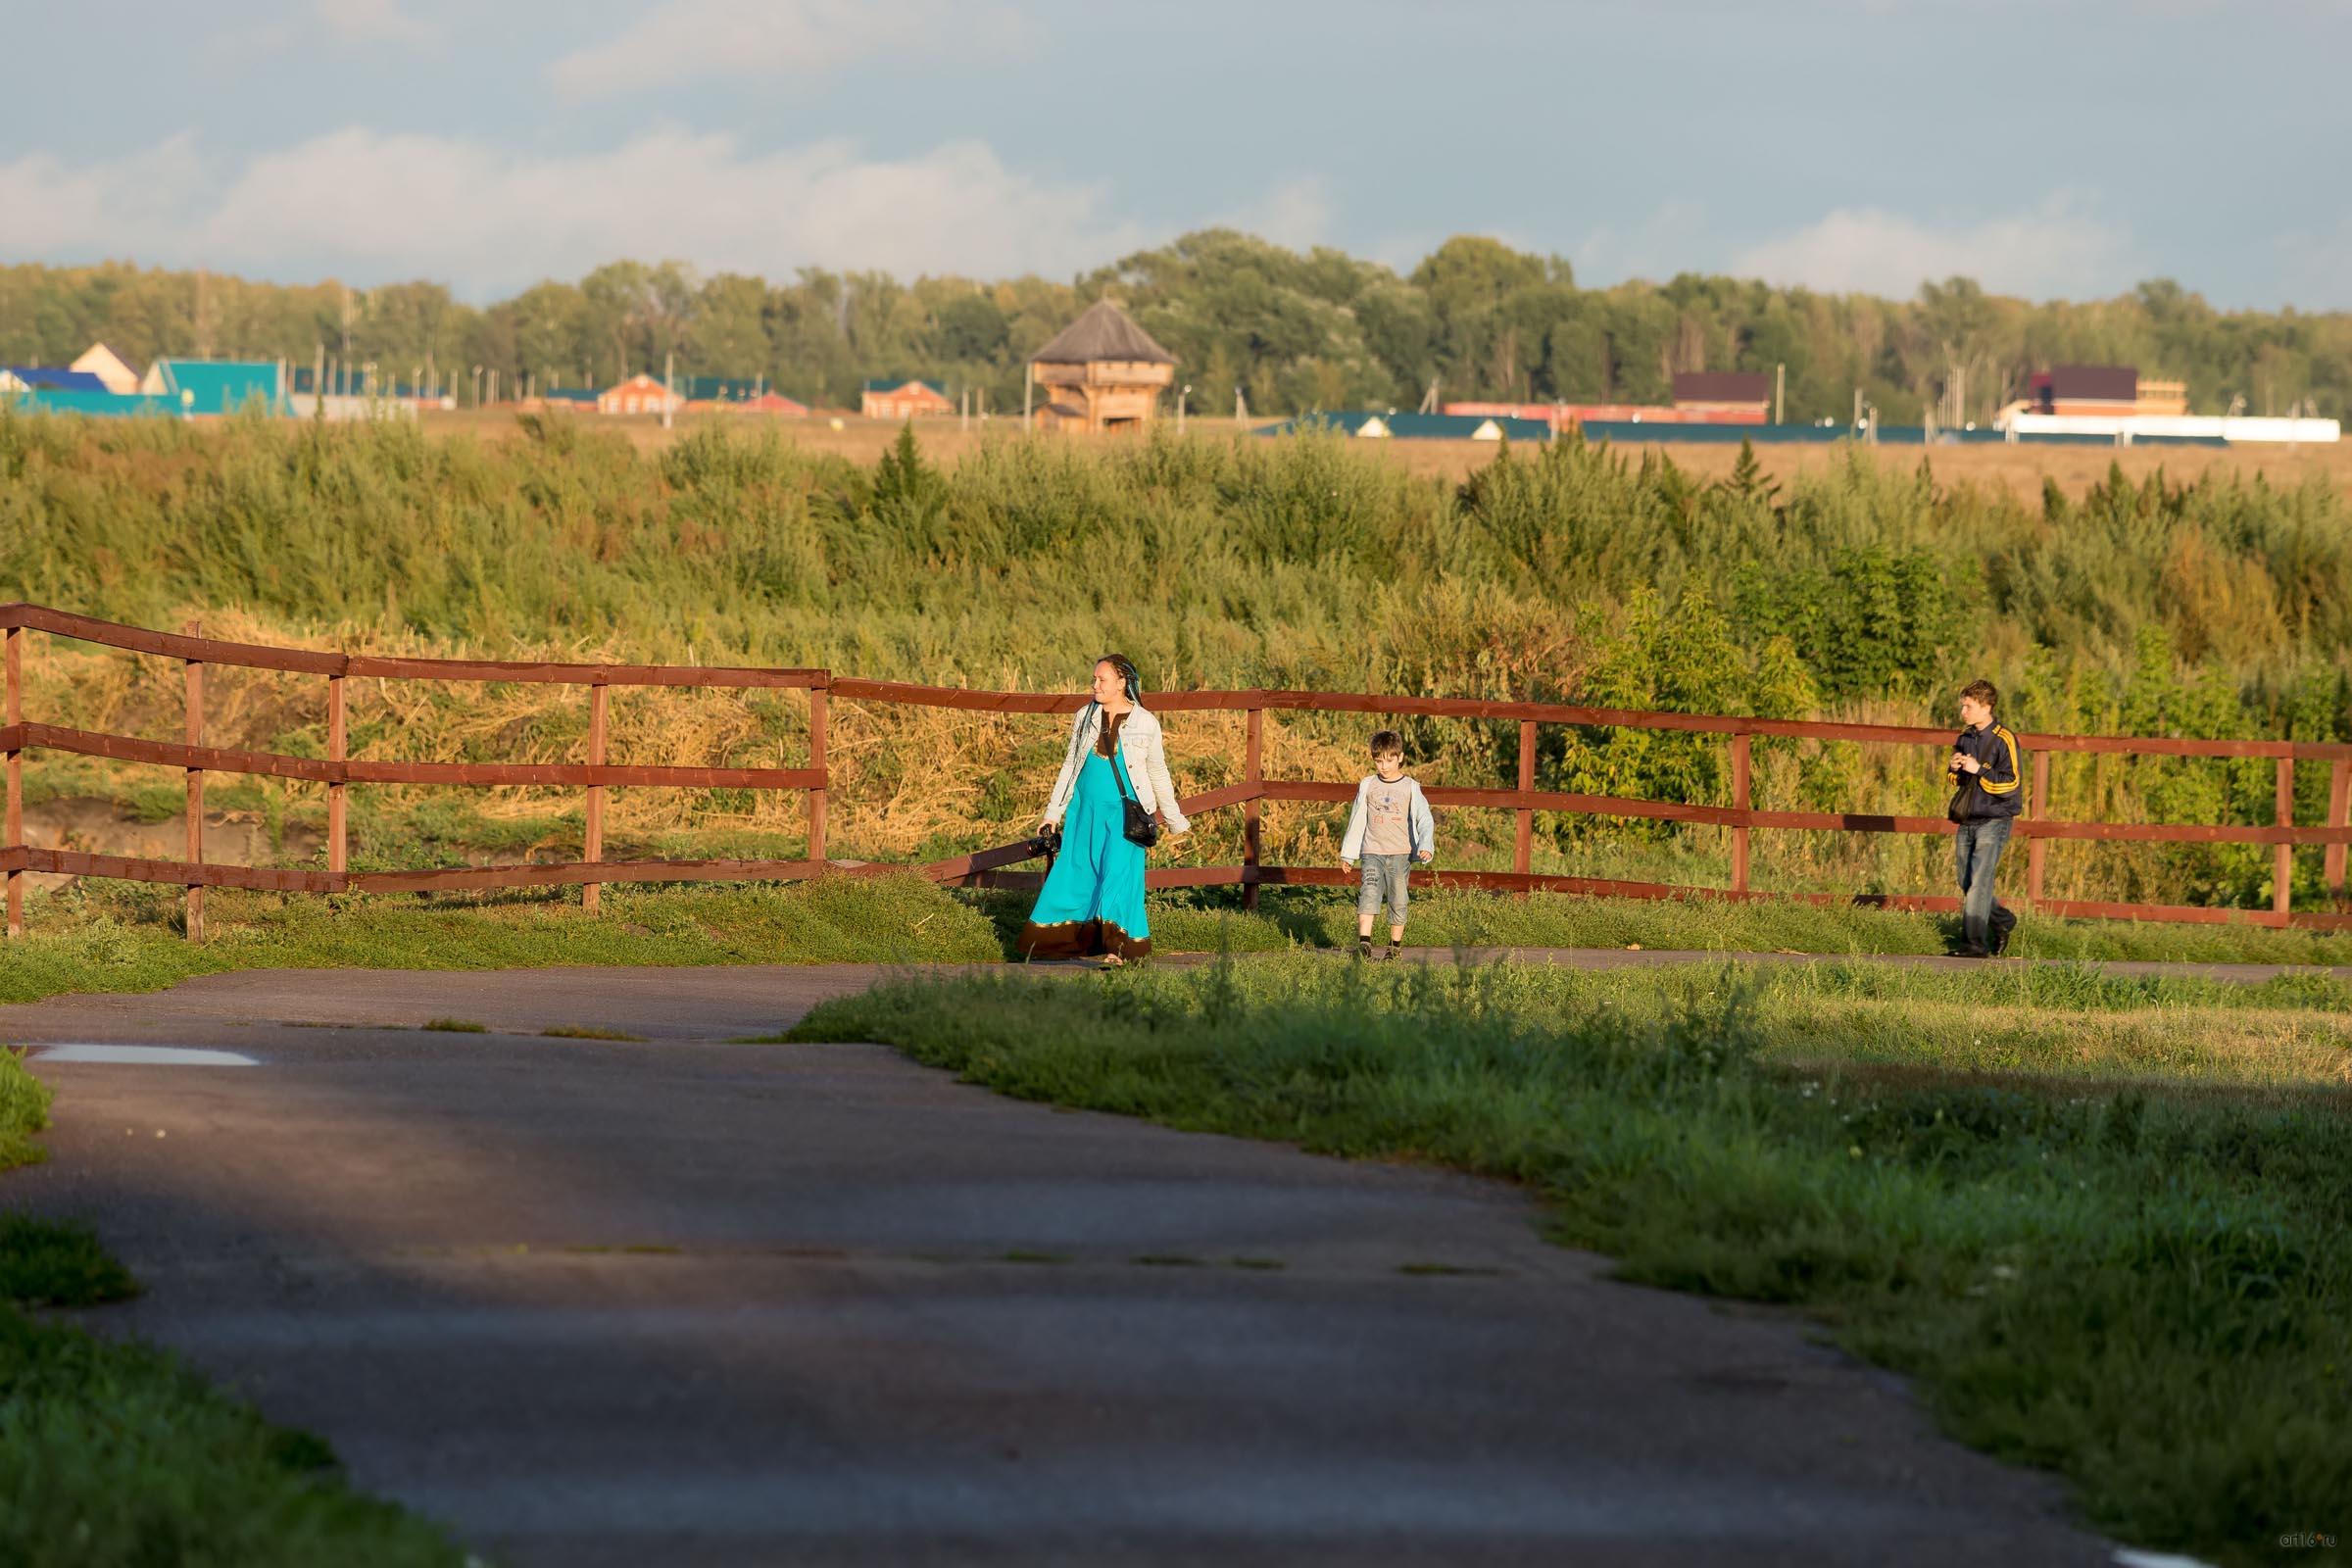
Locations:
{"points": [[1102, 373]]}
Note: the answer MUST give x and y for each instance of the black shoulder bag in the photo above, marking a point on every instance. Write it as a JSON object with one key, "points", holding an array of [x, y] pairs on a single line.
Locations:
{"points": [[1141, 827]]}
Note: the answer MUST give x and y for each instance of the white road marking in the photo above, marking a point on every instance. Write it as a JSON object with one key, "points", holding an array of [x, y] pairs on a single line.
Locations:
{"points": [[147, 1056]]}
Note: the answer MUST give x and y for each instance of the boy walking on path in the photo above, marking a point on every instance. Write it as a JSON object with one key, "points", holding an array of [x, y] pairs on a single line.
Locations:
{"points": [[1984, 772], [1390, 828]]}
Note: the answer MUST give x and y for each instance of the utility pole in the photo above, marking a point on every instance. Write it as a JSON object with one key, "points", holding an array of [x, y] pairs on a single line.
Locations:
{"points": [[1780, 385], [1028, 386], [669, 373], [1180, 397]]}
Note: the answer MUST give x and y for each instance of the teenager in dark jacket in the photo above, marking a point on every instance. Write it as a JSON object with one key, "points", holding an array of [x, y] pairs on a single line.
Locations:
{"points": [[1987, 792]]}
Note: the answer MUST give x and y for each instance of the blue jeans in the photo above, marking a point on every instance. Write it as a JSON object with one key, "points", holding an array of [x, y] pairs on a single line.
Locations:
{"points": [[1977, 854]]}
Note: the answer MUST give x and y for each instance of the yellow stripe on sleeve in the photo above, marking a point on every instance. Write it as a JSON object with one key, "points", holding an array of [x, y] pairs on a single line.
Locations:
{"points": [[2015, 776]]}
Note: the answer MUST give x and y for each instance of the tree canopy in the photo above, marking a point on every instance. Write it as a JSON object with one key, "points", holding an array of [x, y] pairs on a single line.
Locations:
{"points": [[1290, 330]]}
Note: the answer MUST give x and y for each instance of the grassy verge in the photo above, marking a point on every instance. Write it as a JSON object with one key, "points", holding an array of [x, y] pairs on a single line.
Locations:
{"points": [[114, 1454], [119, 939], [113, 937], [1211, 920], [2149, 1291]]}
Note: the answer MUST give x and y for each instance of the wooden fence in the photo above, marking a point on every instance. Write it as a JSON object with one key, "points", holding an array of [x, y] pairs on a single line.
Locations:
{"points": [[988, 868]]}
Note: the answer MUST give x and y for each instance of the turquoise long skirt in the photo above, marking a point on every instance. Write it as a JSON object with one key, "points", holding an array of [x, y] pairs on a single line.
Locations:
{"points": [[1093, 900]]}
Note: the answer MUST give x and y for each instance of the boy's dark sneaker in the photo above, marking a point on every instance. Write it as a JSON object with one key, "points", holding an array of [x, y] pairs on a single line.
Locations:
{"points": [[1389, 957], [1972, 953], [1363, 946]]}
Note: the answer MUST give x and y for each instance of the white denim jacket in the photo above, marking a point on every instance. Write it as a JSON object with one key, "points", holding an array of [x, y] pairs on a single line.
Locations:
{"points": [[1139, 750]]}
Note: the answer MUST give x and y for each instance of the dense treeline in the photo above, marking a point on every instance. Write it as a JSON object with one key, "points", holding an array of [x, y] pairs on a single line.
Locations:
{"points": [[2222, 608], [1289, 330]]}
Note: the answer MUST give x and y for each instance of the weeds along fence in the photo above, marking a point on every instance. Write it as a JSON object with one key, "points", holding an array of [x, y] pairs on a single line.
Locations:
{"points": [[994, 867]]}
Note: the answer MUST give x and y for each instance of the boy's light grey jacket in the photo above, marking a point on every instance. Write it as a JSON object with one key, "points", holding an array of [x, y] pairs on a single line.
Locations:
{"points": [[1139, 748], [1419, 826]]}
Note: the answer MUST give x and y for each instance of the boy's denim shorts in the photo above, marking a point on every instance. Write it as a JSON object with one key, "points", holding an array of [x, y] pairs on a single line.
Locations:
{"points": [[1384, 877]]}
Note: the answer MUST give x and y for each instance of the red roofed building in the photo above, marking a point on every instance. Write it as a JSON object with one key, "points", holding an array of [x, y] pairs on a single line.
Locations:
{"points": [[2103, 389], [639, 394], [1728, 397]]}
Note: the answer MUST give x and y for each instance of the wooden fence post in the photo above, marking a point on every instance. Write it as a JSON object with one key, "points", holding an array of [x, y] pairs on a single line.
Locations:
{"points": [[2282, 864], [2339, 814], [15, 838], [1253, 773], [821, 705], [338, 750], [2038, 809], [592, 893], [1523, 851], [195, 921], [1741, 747]]}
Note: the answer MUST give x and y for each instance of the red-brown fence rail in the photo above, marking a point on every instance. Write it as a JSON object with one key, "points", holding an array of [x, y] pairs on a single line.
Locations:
{"points": [[988, 867]]}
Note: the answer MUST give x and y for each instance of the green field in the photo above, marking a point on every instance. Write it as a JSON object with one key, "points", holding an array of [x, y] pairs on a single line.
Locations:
{"points": [[116, 937], [1868, 590]]}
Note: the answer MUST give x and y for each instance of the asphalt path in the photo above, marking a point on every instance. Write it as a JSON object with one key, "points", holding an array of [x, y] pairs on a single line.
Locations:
{"points": [[688, 1300]]}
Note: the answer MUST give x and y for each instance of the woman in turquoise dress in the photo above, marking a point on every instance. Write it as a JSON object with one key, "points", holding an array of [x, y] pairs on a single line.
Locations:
{"points": [[1093, 900]]}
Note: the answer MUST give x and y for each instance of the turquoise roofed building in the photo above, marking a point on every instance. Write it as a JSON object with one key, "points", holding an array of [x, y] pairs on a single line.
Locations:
{"points": [[210, 387], [98, 405], [720, 388]]}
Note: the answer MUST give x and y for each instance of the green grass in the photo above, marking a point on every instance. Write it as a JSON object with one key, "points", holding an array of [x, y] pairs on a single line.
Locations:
{"points": [[112, 937], [1211, 920], [114, 1454], [127, 939], [2146, 1290], [48, 1263], [455, 1026]]}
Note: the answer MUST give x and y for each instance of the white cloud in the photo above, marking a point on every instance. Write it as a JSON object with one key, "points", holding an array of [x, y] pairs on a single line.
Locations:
{"points": [[2057, 250], [486, 220], [373, 22], [1659, 246], [682, 41], [1297, 213], [55, 210]]}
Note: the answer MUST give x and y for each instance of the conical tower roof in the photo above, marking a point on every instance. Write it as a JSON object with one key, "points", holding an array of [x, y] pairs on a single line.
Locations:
{"points": [[1104, 332]]}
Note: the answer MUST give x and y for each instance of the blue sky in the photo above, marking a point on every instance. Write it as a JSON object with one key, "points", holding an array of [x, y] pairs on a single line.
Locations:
{"points": [[2062, 149]]}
